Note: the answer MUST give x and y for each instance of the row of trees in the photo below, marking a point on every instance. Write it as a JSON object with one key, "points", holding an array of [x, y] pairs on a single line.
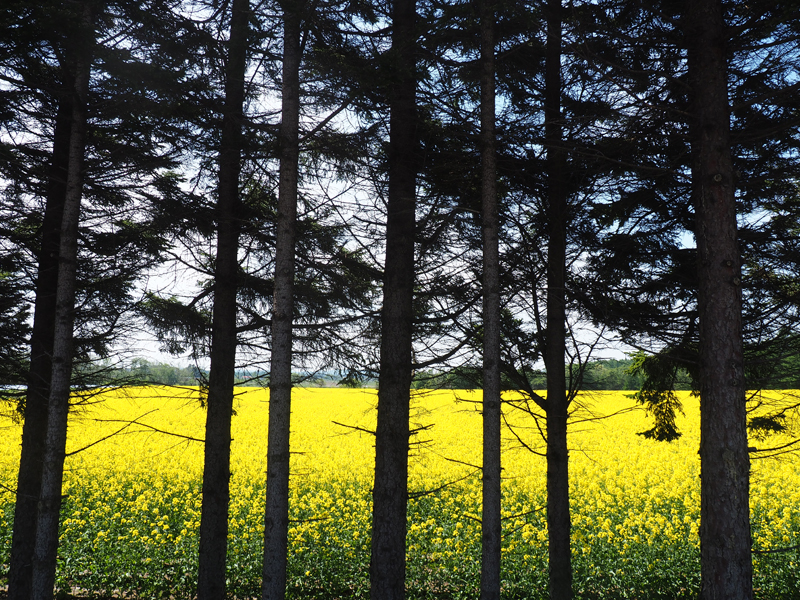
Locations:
{"points": [[387, 189], [601, 374]]}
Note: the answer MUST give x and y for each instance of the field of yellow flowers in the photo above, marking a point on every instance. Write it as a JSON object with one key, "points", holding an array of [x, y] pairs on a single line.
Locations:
{"points": [[132, 498]]}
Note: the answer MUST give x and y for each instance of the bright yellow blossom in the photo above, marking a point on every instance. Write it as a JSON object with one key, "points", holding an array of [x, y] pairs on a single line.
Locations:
{"points": [[635, 502]]}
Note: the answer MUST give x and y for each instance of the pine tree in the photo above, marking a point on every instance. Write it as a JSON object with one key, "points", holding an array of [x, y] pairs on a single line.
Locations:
{"points": [[276, 512], [491, 524], [78, 53], [39, 60], [390, 492], [557, 405], [725, 541], [211, 575]]}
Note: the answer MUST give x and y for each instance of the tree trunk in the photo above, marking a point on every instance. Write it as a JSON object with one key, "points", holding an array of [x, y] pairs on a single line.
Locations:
{"points": [[725, 543], [216, 469], [491, 515], [34, 429], [390, 491], [558, 518], [49, 506], [276, 513]]}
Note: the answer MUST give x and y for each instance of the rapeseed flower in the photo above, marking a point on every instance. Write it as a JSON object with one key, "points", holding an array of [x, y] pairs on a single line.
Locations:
{"points": [[132, 502]]}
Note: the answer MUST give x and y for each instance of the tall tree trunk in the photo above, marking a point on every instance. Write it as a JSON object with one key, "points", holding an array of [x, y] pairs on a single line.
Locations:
{"points": [[49, 507], [491, 515], [390, 491], [725, 542], [34, 428], [558, 518], [216, 469], [276, 513]]}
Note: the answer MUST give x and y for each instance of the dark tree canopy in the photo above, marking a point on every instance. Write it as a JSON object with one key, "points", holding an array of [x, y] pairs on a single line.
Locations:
{"points": [[575, 146]]}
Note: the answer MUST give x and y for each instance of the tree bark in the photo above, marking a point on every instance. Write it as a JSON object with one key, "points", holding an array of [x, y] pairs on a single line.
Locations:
{"points": [[558, 517], [34, 428], [276, 513], [216, 469], [390, 491], [725, 542], [49, 506], [492, 497]]}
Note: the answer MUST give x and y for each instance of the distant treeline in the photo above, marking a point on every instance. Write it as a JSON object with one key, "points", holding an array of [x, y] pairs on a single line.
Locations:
{"points": [[611, 374], [598, 375], [141, 371], [620, 374]]}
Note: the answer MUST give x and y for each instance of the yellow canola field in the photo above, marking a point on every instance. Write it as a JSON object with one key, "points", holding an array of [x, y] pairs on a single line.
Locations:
{"points": [[134, 468]]}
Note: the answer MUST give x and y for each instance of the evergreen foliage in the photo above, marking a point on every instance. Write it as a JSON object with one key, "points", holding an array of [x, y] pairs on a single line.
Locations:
{"points": [[598, 184]]}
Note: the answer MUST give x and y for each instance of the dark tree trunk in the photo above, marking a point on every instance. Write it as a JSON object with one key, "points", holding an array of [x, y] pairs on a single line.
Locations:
{"points": [[725, 543], [558, 518], [216, 469], [34, 429], [491, 515], [276, 513], [49, 507], [390, 492]]}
